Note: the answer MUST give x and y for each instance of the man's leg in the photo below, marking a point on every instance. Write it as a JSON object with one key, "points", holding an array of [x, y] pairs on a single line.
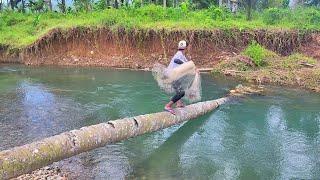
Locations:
{"points": [[174, 99]]}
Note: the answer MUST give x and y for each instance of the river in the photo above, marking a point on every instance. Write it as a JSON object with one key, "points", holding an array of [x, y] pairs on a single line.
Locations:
{"points": [[276, 136]]}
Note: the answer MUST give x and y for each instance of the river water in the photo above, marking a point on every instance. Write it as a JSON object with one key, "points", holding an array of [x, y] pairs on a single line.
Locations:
{"points": [[276, 136]]}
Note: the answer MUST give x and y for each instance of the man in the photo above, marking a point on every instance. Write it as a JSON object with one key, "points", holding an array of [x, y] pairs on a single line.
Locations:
{"points": [[178, 59]]}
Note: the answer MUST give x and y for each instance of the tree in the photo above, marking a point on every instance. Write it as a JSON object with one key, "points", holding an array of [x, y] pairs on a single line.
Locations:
{"points": [[49, 4], [62, 6], [293, 4], [1, 4], [249, 6], [116, 4]]}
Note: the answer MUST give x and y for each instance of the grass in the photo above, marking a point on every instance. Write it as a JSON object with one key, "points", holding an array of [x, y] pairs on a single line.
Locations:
{"points": [[279, 70], [19, 30]]}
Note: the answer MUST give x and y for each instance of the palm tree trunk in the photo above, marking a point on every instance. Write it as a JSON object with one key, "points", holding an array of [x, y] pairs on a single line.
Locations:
{"points": [[248, 9], [63, 4], [24, 159], [23, 6], [293, 4], [12, 4]]}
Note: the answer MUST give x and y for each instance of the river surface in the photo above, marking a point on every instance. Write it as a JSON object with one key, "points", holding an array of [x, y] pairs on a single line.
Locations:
{"points": [[276, 136]]}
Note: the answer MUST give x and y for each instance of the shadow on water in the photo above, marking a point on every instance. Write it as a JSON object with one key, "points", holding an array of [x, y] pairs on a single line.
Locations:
{"points": [[166, 157]]}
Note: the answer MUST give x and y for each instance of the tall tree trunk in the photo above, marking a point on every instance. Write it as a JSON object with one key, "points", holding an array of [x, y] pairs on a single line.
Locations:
{"points": [[12, 4], [116, 5], [23, 6], [49, 4], [248, 9], [63, 6], [293, 4], [1, 5], [24, 159], [164, 3]]}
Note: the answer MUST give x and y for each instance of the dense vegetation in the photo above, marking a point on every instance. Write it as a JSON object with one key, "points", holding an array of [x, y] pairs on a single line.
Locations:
{"points": [[24, 21]]}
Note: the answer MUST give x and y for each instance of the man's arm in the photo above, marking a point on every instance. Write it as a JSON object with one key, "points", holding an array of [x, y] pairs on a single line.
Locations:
{"points": [[178, 61]]}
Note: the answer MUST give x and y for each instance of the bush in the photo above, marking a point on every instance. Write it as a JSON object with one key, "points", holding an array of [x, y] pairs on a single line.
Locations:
{"points": [[218, 13], [314, 17], [12, 18], [153, 12], [100, 5], [273, 16], [257, 53], [111, 19]]}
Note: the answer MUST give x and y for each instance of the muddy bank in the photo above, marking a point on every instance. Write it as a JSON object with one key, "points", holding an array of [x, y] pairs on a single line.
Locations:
{"points": [[141, 48]]}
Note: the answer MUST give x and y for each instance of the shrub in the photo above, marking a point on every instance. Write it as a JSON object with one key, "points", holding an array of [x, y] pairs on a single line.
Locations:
{"points": [[153, 12], [272, 16], [218, 13], [314, 17], [100, 5], [36, 20], [257, 53], [12, 18]]}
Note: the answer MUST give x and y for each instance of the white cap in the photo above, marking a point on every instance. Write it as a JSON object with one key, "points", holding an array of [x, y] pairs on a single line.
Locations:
{"points": [[182, 44]]}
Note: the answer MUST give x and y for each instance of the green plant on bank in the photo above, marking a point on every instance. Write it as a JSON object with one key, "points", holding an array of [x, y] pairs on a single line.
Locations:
{"points": [[257, 53]]}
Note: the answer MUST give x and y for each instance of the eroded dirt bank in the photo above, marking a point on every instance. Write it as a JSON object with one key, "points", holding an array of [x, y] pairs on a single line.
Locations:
{"points": [[142, 48]]}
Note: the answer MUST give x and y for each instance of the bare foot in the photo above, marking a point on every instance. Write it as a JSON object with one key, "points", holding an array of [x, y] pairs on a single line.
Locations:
{"points": [[170, 110]]}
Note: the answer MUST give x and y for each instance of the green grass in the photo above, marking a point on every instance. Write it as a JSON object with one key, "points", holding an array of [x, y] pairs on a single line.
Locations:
{"points": [[19, 30], [293, 61]]}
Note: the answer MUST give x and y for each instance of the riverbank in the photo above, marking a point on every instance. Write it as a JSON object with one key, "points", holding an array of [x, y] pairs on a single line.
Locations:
{"points": [[115, 46], [217, 49], [19, 30], [295, 70]]}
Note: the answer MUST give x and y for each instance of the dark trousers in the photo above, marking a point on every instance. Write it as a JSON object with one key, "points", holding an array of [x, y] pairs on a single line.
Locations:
{"points": [[179, 91], [178, 96]]}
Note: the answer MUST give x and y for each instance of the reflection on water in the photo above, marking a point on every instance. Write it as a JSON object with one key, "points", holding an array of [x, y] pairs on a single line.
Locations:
{"points": [[272, 137]]}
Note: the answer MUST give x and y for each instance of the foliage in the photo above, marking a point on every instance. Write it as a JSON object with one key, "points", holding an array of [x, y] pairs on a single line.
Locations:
{"points": [[21, 29], [257, 53], [100, 5], [37, 6], [82, 5], [273, 16], [218, 13]]}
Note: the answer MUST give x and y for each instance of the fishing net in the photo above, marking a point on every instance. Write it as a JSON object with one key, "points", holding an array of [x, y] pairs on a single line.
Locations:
{"points": [[182, 78]]}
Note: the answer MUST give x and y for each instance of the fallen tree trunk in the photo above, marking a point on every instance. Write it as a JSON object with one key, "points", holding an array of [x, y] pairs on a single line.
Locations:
{"points": [[26, 158]]}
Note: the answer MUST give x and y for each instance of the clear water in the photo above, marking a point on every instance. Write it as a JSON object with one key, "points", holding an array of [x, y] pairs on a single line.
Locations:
{"points": [[276, 136]]}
